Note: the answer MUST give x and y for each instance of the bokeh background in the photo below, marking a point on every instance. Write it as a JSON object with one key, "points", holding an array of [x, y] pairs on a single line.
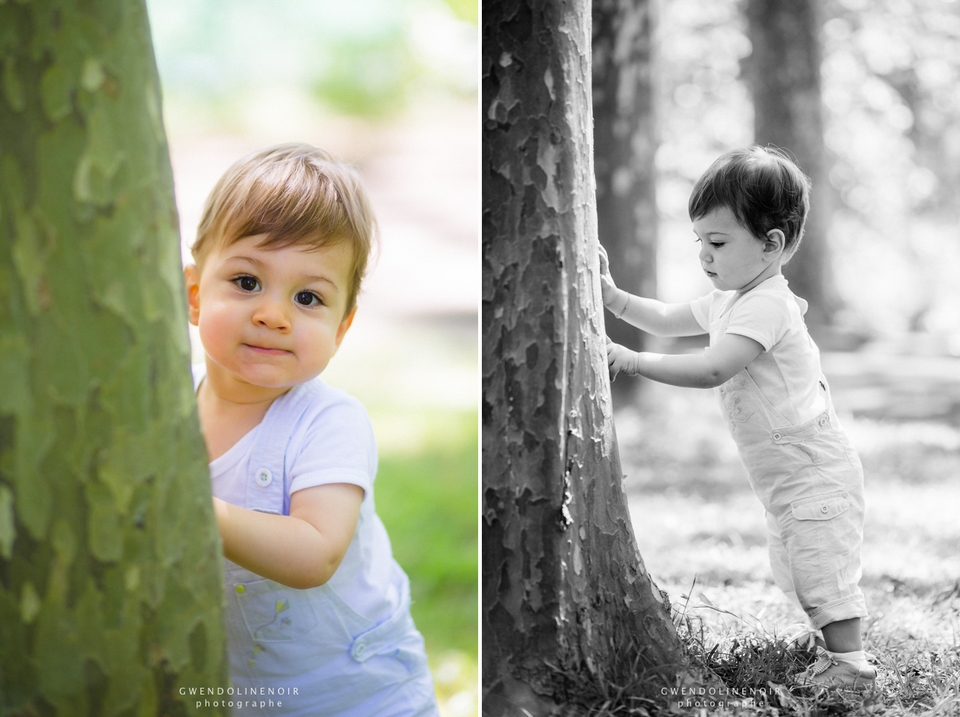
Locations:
{"points": [[391, 87]]}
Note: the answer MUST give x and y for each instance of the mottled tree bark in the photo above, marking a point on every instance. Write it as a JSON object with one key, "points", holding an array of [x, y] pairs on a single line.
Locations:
{"points": [[564, 587], [110, 587], [784, 76], [625, 146]]}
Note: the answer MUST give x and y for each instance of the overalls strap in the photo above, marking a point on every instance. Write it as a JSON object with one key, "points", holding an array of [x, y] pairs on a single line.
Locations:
{"points": [[265, 488]]}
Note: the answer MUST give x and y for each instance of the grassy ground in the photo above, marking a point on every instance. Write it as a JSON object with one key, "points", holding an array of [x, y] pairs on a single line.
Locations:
{"points": [[701, 532], [427, 499]]}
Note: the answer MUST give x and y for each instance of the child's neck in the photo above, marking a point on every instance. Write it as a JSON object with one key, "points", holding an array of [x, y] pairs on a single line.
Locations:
{"points": [[769, 272], [227, 414]]}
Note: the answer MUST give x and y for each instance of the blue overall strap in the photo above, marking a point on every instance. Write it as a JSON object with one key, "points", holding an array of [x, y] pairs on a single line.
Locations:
{"points": [[266, 483]]}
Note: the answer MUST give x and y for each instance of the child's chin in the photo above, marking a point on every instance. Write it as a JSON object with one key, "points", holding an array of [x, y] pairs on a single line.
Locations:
{"points": [[268, 379]]}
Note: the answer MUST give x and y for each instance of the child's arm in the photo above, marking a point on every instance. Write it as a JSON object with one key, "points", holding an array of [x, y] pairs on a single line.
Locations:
{"points": [[300, 550], [716, 365], [654, 317]]}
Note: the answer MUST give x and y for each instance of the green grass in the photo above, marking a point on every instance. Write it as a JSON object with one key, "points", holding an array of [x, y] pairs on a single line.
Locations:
{"points": [[426, 494]]}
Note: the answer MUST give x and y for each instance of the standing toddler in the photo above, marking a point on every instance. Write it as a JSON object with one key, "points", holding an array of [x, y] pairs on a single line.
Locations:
{"points": [[317, 610], [748, 212]]}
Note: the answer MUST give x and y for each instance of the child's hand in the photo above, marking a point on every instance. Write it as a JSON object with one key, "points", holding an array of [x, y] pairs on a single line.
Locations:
{"points": [[620, 359], [608, 289]]}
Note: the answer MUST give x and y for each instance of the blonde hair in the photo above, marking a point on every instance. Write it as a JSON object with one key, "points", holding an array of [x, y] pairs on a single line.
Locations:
{"points": [[295, 194]]}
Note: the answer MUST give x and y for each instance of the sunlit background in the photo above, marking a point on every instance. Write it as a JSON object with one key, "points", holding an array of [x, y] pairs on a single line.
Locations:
{"points": [[392, 87], [890, 74]]}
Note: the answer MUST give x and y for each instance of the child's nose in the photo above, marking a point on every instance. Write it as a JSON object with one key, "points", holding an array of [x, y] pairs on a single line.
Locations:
{"points": [[270, 313], [704, 252]]}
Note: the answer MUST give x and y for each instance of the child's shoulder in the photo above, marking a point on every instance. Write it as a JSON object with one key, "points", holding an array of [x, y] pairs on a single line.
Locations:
{"points": [[775, 294], [320, 403], [318, 395]]}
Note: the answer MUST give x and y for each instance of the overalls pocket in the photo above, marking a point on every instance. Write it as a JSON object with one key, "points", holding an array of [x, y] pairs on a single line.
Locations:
{"points": [[822, 542], [822, 507], [803, 436], [273, 612], [395, 638]]}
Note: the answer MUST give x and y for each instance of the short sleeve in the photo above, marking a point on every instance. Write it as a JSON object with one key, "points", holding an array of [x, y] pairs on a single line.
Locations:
{"points": [[338, 446], [701, 309], [761, 317]]}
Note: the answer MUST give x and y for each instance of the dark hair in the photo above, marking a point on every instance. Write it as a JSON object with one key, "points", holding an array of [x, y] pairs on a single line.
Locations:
{"points": [[763, 188]]}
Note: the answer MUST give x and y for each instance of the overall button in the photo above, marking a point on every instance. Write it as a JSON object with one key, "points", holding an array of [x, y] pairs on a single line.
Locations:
{"points": [[824, 509], [777, 436], [240, 588], [264, 477], [358, 650]]}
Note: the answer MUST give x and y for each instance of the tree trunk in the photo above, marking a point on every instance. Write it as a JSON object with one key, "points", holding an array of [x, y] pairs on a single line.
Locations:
{"points": [[784, 74], [564, 587], [110, 587], [625, 140]]}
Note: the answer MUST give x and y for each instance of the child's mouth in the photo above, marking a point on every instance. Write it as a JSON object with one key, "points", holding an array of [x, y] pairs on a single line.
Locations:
{"points": [[266, 350]]}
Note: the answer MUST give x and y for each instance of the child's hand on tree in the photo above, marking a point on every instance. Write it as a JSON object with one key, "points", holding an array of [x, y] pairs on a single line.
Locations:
{"points": [[620, 360], [608, 289]]}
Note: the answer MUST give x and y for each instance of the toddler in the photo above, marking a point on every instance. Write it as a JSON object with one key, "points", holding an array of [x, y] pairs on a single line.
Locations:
{"points": [[317, 611], [748, 212]]}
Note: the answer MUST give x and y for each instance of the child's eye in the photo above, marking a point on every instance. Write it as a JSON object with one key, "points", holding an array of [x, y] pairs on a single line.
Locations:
{"points": [[307, 298], [714, 244], [247, 283]]}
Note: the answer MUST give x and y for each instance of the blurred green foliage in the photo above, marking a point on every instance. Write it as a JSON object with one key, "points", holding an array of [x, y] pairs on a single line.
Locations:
{"points": [[427, 500], [465, 9], [367, 77], [890, 74], [366, 58]]}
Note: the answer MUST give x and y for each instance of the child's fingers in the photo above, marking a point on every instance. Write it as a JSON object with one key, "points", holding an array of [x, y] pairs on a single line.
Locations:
{"points": [[604, 260]]}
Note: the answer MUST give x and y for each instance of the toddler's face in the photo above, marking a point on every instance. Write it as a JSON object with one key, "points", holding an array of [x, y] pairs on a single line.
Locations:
{"points": [[270, 317], [731, 257]]}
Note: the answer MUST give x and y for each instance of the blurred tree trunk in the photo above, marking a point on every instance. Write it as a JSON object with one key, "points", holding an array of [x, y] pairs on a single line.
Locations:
{"points": [[625, 146], [784, 73], [564, 587], [110, 587]]}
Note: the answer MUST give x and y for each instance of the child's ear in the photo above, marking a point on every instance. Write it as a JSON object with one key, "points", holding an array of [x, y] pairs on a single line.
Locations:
{"points": [[191, 277], [344, 325], [774, 244]]}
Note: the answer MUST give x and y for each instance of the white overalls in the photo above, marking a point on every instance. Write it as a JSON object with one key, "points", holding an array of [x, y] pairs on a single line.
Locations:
{"points": [[307, 652], [810, 481]]}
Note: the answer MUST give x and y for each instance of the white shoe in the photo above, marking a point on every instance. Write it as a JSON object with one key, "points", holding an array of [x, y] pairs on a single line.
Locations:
{"points": [[832, 673]]}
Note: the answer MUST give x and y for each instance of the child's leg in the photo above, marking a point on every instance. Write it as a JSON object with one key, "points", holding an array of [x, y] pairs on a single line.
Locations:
{"points": [[843, 636], [844, 664], [780, 564]]}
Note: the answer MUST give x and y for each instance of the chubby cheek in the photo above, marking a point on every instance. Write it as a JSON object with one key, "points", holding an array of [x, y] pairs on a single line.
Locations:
{"points": [[217, 333], [316, 350]]}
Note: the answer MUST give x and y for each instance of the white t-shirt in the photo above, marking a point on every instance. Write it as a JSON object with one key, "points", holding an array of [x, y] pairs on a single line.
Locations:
{"points": [[332, 442], [788, 370]]}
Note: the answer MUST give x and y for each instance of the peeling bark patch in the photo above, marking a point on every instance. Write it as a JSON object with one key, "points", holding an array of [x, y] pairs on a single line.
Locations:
{"points": [[8, 529]]}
